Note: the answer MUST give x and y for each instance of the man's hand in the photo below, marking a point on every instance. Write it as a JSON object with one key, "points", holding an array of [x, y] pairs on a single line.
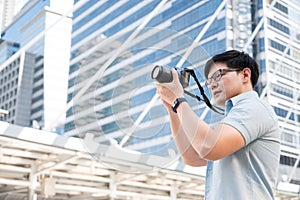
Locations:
{"points": [[169, 92]]}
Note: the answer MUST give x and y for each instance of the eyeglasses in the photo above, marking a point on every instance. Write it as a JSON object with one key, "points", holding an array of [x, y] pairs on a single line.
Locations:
{"points": [[218, 75]]}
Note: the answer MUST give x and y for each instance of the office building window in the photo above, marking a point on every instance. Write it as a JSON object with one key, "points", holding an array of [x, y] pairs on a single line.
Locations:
{"points": [[279, 26], [281, 7]]}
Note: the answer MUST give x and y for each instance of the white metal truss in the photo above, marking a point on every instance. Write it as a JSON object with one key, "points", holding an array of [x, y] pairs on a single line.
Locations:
{"points": [[38, 164]]}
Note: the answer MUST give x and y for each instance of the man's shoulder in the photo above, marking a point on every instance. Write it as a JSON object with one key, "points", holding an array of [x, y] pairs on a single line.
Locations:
{"points": [[251, 106], [244, 101], [250, 95], [250, 100]]}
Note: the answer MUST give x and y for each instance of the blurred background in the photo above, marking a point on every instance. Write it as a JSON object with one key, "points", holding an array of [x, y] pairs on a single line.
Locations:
{"points": [[80, 118]]}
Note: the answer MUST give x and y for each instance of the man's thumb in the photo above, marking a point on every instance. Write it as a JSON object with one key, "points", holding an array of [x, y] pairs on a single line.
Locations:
{"points": [[174, 73]]}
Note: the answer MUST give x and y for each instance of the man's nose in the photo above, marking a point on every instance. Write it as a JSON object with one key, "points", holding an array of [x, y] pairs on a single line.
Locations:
{"points": [[213, 83]]}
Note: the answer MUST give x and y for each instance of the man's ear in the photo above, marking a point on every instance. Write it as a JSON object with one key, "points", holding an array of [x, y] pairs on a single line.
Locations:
{"points": [[246, 74]]}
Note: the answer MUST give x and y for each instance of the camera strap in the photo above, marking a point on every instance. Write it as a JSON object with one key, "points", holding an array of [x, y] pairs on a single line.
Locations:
{"points": [[205, 98]]}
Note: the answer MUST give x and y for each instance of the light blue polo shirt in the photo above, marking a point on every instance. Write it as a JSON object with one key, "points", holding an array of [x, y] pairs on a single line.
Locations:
{"points": [[251, 172]]}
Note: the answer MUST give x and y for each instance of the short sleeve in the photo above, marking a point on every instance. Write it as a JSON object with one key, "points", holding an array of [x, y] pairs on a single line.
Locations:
{"points": [[251, 118]]}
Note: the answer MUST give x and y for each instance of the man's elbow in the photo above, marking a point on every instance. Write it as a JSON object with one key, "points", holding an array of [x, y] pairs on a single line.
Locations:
{"points": [[211, 156], [194, 163]]}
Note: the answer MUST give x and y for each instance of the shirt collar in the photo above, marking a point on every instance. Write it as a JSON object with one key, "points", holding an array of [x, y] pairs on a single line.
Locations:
{"points": [[234, 100]]}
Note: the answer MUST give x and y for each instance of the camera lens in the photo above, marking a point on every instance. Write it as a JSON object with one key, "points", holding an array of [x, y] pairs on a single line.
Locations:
{"points": [[161, 74], [155, 72]]}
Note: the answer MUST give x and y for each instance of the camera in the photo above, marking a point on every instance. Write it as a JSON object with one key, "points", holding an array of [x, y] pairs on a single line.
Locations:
{"points": [[164, 75]]}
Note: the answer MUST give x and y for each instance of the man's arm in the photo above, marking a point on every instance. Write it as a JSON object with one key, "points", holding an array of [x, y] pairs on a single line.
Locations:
{"points": [[186, 150], [211, 143]]}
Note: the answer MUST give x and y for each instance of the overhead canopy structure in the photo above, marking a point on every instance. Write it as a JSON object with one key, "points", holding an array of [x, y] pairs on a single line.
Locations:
{"points": [[35, 164]]}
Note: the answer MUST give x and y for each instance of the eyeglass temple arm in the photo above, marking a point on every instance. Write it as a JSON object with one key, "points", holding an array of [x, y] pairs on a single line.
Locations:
{"points": [[205, 99]]}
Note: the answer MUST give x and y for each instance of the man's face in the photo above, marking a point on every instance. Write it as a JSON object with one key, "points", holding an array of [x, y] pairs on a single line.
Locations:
{"points": [[224, 84]]}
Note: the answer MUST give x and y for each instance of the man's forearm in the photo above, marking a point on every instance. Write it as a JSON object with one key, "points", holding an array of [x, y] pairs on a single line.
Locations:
{"points": [[196, 130], [186, 150]]}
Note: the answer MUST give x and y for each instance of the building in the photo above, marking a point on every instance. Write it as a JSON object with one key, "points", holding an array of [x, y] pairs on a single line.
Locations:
{"points": [[16, 85], [278, 49], [35, 50], [104, 27], [117, 43], [8, 9]]}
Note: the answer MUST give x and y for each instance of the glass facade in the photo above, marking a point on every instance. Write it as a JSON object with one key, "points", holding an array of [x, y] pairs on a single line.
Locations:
{"points": [[110, 90], [38, 32], [114, 103]]}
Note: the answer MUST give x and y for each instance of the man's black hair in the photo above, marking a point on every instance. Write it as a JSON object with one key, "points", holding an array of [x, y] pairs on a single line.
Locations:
{"points": [[235, 60]]}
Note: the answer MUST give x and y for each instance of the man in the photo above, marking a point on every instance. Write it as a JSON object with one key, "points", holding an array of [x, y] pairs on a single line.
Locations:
{"points": [[241, 151]]}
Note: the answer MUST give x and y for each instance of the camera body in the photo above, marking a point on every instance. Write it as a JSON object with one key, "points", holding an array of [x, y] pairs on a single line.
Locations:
{"points": [[164, 75]]}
